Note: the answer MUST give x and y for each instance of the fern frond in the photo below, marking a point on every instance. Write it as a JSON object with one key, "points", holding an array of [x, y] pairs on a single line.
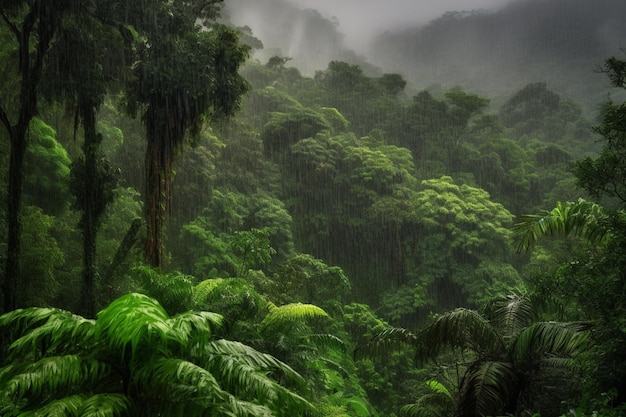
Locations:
{"points": [[61, 332], [461, 328], [326, 340], [250, 356], [169, 378], [133, 319], [510, 314], [202, 290], [547, 339], [53, 376], [486, 389], [581, 218], [429, 405], [106, 405], [194, 326], [62, 407], [290, 313], [391, 340]]}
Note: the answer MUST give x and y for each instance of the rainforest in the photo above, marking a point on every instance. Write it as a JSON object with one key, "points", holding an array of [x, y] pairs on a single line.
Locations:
{"points": [[227, 208]]}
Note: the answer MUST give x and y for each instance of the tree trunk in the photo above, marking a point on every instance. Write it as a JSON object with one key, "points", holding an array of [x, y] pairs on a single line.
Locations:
{"points": [[158, 166], [41, 18], [91, 210]]}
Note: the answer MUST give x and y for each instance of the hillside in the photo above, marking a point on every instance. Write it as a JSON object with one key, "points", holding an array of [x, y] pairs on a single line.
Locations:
{"points": [[561, 42]]}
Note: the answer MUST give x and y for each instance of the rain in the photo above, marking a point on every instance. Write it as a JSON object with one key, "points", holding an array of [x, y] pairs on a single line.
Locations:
{"points": [[312, 208]]}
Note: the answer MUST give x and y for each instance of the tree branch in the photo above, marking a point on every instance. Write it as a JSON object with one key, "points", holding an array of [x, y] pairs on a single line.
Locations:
{"points": [[5, 121], [11, 25]]}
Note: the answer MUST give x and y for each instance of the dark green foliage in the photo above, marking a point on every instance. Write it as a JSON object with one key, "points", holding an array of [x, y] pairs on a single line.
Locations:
{"points": [[499, 356], [136, 360]]}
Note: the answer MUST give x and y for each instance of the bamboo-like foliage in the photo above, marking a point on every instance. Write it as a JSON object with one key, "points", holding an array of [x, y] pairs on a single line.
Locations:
{"points": [[136, 360], [581, 218], [503, 347]]}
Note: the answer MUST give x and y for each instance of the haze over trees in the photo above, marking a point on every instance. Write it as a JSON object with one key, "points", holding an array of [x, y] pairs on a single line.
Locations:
{"points": [[195, 224]]}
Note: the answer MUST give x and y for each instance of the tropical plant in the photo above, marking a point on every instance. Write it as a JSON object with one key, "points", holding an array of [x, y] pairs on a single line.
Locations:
{"points": [[581, 218], [136, 360], [501, 355]]}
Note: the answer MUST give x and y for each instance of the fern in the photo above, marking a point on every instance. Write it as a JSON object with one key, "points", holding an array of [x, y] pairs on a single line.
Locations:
{"points": [[290, 313]]}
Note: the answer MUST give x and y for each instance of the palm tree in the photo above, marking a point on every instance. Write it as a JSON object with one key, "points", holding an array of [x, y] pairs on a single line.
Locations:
{"points": [[135, 360], [581, 218], [503, 353]]}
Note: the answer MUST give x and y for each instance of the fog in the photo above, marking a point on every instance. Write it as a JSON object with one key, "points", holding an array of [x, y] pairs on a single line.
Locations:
{"points": [[361, 20]]}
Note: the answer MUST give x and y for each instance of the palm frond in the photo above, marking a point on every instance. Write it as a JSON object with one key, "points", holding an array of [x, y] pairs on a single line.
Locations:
{"points": [[546, 339], [581, 218], [395, 339], [290, 313], [438, 388], [486, 389], [510, 314], [429, 405], [173, 290], [202, 290], [52, 377], [62, 407], [62, 331], [326, 340], [175, 380], [22, 319], [194, 326], [133, 319], [437, 403], [250, 356], [105, 405], [461, 328]]}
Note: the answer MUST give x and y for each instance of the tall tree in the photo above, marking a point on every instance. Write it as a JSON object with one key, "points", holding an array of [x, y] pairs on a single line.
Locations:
{"points": [[605, 176], [81, 81], [33, 24], [186, 75]]}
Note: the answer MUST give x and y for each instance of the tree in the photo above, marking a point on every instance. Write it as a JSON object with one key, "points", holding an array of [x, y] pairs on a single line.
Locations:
{"points": [[605, 176], [501, 355], [81, 85], [186, 75], [33, 24], [136, 360]]}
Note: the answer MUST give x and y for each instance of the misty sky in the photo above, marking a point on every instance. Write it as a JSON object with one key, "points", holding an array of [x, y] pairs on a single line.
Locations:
{"points": [[359, 20]]}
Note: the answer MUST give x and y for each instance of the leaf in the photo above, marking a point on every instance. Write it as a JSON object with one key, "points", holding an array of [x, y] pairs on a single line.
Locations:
{"points": [[458, 328], [289, 313], [391, 340], [53, 376], [547, 339], [581, 218], [487, 388], [131, 320]]}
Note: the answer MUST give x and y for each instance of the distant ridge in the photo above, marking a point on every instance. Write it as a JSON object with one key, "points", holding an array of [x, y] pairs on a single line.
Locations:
{"points": [[561, 42]]}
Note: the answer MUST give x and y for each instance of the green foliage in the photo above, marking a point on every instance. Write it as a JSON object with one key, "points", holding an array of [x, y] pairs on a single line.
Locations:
{"points": [[47, 168], [252, 248], [582, 218], [40, 259], [503, 367], [135, 359], [173, 290]]}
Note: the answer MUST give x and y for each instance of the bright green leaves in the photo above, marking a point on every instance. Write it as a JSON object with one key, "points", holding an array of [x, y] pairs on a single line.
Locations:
{"points": [[135, 359], [131, 321], [47, 168], [582, 218], [289, 313]]}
